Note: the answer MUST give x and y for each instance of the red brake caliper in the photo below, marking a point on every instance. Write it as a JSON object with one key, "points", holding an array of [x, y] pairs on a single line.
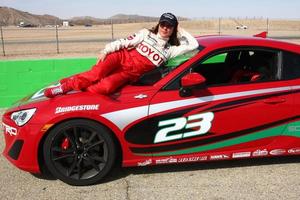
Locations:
{"points": [[65, 144]]}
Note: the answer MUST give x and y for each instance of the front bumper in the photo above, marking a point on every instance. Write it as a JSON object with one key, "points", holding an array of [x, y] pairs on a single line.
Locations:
{"points": [[21, 144]]}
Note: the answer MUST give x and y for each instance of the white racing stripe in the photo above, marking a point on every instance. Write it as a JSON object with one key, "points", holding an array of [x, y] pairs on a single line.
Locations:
{"points": [[295, 87], [122, 118], [159, 107]]}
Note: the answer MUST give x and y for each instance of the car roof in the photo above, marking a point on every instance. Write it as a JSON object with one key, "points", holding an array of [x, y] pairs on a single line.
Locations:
{"points": [[223, 41]]}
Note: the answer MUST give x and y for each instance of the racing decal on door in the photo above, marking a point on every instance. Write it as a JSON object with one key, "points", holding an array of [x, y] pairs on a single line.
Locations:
{"points": [[219, 141], [200, 123], [145, 131], [136, 134], [217, 144]]}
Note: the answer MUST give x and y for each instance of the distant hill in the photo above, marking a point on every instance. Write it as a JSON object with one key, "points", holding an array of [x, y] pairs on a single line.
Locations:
{"points": [[11, 16], [138, 17], [133, 18], [117, 19]]}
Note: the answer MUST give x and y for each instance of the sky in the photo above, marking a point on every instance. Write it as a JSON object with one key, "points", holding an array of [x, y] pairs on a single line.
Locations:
{"points": [[65, 9]]}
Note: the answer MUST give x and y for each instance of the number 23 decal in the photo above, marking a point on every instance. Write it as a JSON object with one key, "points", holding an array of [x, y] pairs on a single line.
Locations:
{"points": [[200, 122]]}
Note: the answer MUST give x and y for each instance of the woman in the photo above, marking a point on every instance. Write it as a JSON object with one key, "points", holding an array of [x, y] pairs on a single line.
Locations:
{"points": [[125, 60]]}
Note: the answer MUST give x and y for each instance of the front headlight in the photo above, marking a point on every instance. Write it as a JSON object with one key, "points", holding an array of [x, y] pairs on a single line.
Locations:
{"points": [[23, 116]]}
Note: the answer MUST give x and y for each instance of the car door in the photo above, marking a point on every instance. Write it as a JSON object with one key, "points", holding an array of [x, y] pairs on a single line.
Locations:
{"points": [[291, 73], [220, 116]]}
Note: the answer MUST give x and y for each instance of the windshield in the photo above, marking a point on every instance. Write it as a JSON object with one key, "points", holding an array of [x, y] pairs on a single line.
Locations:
{"points": [[158, 73]]}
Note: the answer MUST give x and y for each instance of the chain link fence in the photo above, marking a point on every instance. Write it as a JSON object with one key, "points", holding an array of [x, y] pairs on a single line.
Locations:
{"points": [[17, 41]]}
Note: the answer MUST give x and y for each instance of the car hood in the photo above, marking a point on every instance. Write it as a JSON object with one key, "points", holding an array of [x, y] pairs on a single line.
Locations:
{"points": [[36, 96], [38, 100]]}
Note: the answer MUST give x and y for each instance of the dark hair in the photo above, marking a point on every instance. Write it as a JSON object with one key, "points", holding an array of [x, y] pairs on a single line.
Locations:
{"points": [[173, 40]]}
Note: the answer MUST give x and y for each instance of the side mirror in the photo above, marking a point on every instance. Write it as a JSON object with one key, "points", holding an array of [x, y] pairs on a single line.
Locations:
{"points": [[189, 82]]}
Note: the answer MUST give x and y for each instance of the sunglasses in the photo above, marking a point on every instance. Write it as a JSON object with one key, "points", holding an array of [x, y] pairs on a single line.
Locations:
{"points": [[165, 25]]}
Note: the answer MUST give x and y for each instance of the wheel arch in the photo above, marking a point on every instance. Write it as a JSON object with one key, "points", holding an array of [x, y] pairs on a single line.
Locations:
{"points": [[41, 162]]}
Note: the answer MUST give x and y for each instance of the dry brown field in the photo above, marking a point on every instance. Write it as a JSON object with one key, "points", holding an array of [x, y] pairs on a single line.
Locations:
{"points": [[80, 41]]}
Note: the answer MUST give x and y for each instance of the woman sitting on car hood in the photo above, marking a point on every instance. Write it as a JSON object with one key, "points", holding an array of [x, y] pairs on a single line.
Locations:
{"points": [[125, 60]]}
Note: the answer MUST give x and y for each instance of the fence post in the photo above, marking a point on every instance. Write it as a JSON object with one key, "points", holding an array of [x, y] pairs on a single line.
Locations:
{"points": [[2, 40], [57, 43], [219, 25], [268, 25], [112, 29]]}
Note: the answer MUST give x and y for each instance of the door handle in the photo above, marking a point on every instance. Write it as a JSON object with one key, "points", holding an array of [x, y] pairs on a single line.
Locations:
{"points": [[274, 100]]}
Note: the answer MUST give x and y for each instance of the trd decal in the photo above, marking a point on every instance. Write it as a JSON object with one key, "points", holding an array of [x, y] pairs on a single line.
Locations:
{"points": [[199, 123], [9, 130]]}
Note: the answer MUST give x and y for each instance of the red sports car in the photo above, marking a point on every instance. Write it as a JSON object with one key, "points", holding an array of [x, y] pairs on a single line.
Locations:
{"points": [[236, 97]]}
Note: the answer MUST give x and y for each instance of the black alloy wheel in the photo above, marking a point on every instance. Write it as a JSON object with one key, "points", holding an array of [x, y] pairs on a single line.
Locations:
{"points": [[79, 152]]}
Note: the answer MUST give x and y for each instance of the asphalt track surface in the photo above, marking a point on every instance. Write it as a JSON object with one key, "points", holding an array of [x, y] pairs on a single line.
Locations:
{"points": [[273, 178]]}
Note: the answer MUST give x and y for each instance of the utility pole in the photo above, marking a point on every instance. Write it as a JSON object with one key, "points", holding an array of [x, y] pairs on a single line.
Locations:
{"points": [[112, 29], [57, 43]]}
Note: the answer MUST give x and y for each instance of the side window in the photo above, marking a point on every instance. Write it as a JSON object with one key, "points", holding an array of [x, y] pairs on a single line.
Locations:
{"points": [[219, 58], [214, 68], [240, 66], [206, 68], [235, 66], [290, 65]]}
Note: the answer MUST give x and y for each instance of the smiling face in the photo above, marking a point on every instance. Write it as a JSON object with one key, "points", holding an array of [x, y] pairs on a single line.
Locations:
{"points": [[165, 29]]}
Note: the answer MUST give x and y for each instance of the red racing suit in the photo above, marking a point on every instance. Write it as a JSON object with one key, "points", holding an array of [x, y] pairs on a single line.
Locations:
{"points": [[127, 59]]}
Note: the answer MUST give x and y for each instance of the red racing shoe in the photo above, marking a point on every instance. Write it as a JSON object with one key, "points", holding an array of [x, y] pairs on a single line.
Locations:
{"points": [[57, 90]]}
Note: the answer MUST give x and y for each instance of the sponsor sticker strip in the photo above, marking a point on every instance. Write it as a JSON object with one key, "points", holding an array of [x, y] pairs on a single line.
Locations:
{"points": [[294, 150], [276, 152], [241, 155], [248, 154], [180, 160], [166, 160], [76, 108], [192, 159], [145, 163], [219, 157]]}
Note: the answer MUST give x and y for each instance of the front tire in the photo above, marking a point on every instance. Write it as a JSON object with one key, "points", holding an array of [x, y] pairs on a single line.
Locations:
{"points": [[79, 152]]}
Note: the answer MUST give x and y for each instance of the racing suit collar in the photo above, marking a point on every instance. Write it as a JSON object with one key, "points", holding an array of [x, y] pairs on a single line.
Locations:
{"points": [[160, 37]]}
